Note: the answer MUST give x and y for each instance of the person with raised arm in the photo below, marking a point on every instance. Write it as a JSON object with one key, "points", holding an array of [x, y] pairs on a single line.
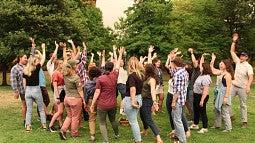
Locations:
{"points": [[222, 99], [149, 98], [32, 88], [242, 82], [105, 95]]}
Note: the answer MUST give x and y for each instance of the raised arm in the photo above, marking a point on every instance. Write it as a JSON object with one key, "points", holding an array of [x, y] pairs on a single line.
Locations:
{"points": [[73, 46], [214, 71], [114, 47], [33, 49], [150, 50], [233, 47], [120, 57], [54, 55], [63, 45], [193, 58], [78, 54], [152, 83], [202, 60], [43, 54], [92, 58], [103, 59]]}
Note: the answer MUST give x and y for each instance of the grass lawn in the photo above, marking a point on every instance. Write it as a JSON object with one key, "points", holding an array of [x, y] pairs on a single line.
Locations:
{"points": [[12, 129]]}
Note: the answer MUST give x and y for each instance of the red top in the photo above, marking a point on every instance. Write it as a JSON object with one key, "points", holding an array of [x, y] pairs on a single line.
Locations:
{"points": [[107, 85], [58, 77]]}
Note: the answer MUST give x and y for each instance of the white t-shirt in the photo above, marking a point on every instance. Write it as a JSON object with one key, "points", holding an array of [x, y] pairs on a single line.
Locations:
{"points": [[50, 68]]}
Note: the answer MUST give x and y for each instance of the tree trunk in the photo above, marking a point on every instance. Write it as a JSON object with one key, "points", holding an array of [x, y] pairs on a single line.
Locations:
{"points": [[4, 79]]}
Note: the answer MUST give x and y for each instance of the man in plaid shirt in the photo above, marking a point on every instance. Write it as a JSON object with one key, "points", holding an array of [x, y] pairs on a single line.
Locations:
{"points": [[17, 81], [180, 85]]}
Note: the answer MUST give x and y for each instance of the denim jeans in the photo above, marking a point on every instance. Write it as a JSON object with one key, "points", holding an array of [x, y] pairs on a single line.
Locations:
{"points": [[33, 93], [122, 89], [178, 124], [169, 99], [132, 116], [145, 114], [111, 112]]}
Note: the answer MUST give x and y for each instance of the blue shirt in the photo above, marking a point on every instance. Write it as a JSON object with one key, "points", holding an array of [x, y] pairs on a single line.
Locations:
{"points": [[180, 79], [42, 81]]}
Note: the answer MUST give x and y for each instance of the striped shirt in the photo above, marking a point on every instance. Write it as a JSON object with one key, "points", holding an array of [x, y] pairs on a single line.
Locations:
{"points": [[180, 84], [17, 78], [81, 71]]}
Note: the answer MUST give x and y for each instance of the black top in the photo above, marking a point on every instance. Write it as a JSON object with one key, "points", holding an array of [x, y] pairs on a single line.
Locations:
{"points": [[194, 76], [33, 80], [224, 81], [134, 81]]}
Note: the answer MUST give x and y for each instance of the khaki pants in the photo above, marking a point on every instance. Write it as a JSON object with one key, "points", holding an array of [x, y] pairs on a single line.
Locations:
{"points": [[92, 118]]}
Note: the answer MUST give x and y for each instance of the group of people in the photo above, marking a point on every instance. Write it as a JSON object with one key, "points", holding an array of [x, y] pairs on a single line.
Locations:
{"points": [[81, 87]]}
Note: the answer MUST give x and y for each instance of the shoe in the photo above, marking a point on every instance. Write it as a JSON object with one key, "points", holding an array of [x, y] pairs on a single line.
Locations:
{"points": [[92, 138], [194, 127], [227, 131], [28, 128], [62, 135], [214, 127], [244, 125], [52, 129], [117, 137], [232, 118], [144, 132], [122, 112], [203, 130]]}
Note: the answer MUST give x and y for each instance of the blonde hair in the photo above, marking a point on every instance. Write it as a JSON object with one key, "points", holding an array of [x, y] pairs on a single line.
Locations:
{"points": [[68, 70], [135, 66], [31, 65]]}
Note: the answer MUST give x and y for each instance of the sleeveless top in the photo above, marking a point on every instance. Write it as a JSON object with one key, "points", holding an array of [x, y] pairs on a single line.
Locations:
{"points": [[224, 81], [146, 92]]}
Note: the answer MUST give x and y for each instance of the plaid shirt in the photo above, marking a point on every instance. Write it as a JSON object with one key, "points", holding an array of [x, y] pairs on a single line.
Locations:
{"points": [[17, 78], [181, 78], [81, 71]]}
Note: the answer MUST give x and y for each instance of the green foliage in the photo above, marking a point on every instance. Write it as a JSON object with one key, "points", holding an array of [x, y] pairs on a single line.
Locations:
{"points": [[147, 23]]}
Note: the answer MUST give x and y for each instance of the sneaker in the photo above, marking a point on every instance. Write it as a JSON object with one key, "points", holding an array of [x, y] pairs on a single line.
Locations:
{"points": [[62, 135], [203, 130], [225, 131], [194, 127], [117, 137], [52, 129]]}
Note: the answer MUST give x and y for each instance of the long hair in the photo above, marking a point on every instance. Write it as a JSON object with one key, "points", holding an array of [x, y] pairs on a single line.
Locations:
{"points": [[56, 63], [229, 68], [150, 72], [68, 70], [31, 66], [206, 69], [135, 66]]}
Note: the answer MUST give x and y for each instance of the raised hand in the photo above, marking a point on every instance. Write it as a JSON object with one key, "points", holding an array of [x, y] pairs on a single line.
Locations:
{"points": [[235, 37], [99, 53], [151, 48], [154, 56], [70, 41], [62, 44], [43, 46], [56, 44], [213, 56], [121, 50], [111, 53], [114, 47], [190, 50]]}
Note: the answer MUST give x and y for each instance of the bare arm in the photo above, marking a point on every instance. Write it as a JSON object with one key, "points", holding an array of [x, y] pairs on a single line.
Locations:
{"points": [[120, 57], [24, 84], [103, 59], [96, 95], [43, 54], [214, 71], [73, 46], [92, 58], [150, 50], [204, 95], [233, 47], [54, 55], [114, 47], [193, 58], [132, 96], [77, 56], [249, 84], [80, 91], [63, 45]]}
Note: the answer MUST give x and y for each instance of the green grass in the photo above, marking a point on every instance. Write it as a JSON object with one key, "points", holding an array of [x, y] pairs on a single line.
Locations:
{"points": [[12, 130]]}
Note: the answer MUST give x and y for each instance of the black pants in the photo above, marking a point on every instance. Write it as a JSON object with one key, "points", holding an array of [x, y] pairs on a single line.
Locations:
{"points": [[145, 115], [200, 111]]}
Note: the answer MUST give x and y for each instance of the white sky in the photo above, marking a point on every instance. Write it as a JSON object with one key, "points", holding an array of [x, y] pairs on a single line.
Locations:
{"points": [[112, 10]]}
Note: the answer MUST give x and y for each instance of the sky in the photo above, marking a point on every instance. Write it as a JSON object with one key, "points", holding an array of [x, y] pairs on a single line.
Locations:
{"points": [[112, 10]]}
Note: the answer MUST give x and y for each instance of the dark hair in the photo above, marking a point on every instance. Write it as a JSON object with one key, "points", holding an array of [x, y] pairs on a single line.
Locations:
{"points": [[94, 72], [108, 68], [206, 69], [150, 72], [178, 61], [229, 67], [17, 60]]}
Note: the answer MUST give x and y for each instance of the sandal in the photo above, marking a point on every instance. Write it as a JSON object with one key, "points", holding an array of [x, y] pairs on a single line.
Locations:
{"points": [[28, 128]]}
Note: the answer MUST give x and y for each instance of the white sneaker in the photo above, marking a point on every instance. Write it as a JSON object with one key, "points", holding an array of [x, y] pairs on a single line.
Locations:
{"points": [[194, 127], [203, 130]]}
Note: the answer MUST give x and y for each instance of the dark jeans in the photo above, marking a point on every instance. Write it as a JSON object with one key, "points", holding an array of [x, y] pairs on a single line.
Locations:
{"points": [[122, 89], [200, 111], [169, 100], [111, 112], [145, 114]]}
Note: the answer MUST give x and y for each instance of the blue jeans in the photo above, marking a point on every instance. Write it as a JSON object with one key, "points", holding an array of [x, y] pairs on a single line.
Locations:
{"points": [[33, 93], [122, 89], [132, 116], [145, 114], [178, 124], [169, 99]]}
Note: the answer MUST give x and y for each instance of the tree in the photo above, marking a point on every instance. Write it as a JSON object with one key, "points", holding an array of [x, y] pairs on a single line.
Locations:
{"points": [[47, 21], [147, 23]]}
